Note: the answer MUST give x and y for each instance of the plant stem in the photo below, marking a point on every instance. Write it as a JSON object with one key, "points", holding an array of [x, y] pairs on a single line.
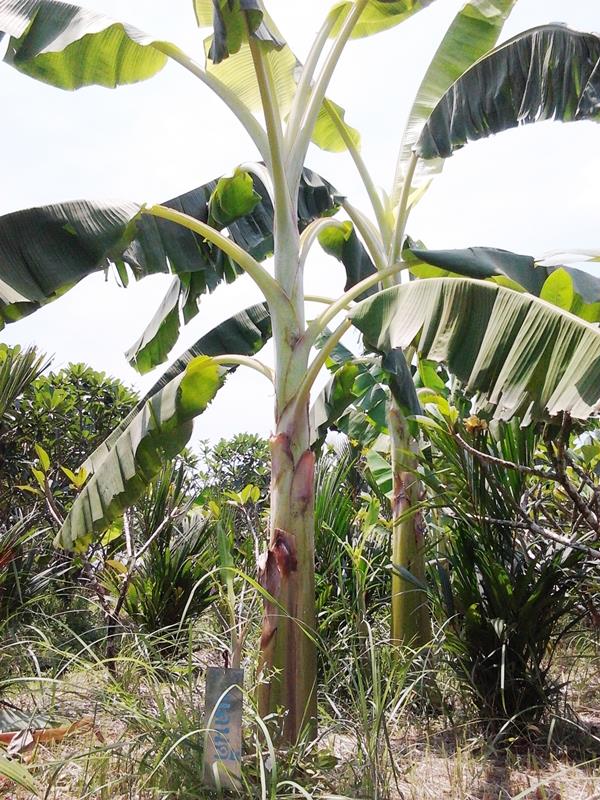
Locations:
{"points": [[537, 529], [318, 298], [266, 283], [557, 453], [530, 525], [285, 194], [303, 136], [246, 361], [502, 462], [231, 100], [410, 616], [401, 219], [288, 660], [370, 235], [270, 106], [303, 90], [364, 173], [288, 663]]}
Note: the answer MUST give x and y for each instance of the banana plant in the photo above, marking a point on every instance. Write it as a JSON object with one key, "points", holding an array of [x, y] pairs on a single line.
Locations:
{"points": [[210, 235]]}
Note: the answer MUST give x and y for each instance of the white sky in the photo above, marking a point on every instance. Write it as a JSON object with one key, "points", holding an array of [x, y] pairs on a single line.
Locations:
{"points": [[530, 190]]}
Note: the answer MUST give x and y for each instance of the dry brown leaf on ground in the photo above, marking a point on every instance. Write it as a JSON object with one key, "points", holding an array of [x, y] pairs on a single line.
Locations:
{"points": [[24, 741]]}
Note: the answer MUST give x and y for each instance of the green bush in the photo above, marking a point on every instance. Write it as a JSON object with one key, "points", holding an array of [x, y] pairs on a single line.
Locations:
{"points": [[504, 591], [173, 576]]}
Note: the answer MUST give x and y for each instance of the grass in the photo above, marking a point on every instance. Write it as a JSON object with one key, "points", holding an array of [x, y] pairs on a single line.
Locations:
{"points": [[394, 725], [379, 740]]}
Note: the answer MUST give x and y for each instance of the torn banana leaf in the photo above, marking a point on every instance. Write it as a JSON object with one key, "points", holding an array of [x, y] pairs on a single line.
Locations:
{"points": [[243, 334], [522, 356], [548, 72], [159, 431]]}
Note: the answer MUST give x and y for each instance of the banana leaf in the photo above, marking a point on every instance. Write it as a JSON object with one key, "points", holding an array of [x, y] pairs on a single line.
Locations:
{"points": [[45, 251], [548, 72], [158, 432], [473, 32], [243, 334], [522, 356], [569, 288], [70, 47], [378, 15]]}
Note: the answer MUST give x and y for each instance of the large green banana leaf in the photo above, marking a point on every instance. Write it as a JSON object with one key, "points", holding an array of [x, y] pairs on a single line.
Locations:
{"points": [[549, 72], [243, 334], [158, 432], [45, 251], [379, 15], [523, 356], [567, 287], [473, 32], [71, 47]]}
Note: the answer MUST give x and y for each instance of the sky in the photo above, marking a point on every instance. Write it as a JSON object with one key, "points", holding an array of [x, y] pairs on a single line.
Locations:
{"points": [[529, 190]]}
